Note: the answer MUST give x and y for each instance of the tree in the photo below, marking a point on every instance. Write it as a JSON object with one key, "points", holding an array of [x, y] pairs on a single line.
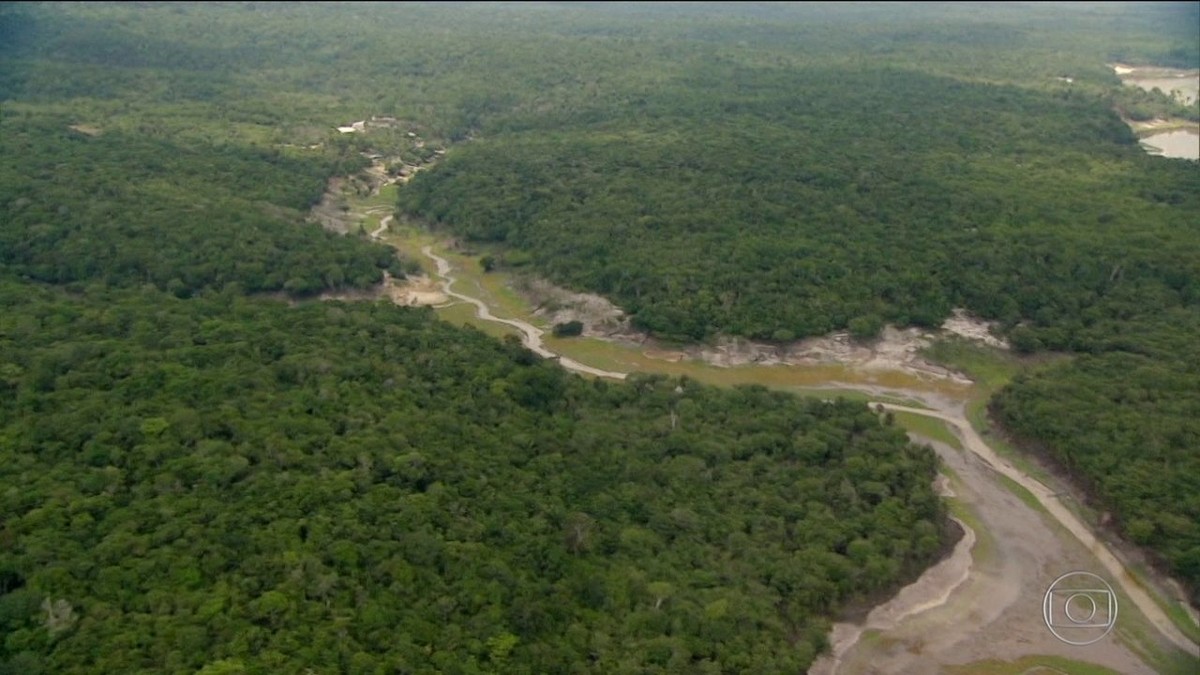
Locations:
{"points": [[660, 591], [568, 329], [865, 327]]}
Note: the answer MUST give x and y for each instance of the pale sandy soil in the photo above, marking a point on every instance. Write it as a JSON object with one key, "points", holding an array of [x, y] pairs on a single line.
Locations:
{"points": [[895, 349], [417, 291], [1128, 72], [331, 212], [558, 305], [996, 610], [966, 326]]}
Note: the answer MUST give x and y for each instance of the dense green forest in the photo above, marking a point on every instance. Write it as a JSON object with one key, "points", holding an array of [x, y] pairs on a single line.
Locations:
{"points": [[795, 213], [787, 199], [364, 488], [180, 218], [197, 478], [1126, 424]]}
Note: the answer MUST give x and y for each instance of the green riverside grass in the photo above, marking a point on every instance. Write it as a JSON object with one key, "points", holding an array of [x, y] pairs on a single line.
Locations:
{"points": [[1031, 664], [929, 427]]}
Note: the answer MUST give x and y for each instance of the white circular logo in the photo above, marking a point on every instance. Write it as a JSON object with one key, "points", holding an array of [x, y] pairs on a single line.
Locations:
{"points": [[1080, 608]]}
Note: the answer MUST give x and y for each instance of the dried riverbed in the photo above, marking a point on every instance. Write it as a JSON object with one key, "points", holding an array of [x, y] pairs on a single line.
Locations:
{"points": [[981, 602]]}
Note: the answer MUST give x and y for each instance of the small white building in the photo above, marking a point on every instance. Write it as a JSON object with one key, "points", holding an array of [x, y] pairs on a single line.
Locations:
{"points": [[355, 127]]}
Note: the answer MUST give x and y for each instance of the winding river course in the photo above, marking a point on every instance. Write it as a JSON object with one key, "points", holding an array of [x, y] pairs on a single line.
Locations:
{"points": [[975, 604], [531, 336]]}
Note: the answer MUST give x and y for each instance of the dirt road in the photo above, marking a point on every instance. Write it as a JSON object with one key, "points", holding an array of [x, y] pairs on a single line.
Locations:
{"points": [[531, 336], [996, 612], [1049, 501], [383, 226]]}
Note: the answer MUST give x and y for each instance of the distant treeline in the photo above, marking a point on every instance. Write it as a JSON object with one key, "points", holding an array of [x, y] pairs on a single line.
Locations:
{"points": [[126, 209]]}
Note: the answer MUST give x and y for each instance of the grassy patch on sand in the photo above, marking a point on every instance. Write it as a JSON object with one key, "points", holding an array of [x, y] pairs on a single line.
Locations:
{"points": [[1030, 665], [834, 391], [984, 549], [408, 240], [463, 314], [385, 198], [493, 288], [1139, 574], [1144, 640], [1025, 496], [929, 427], [989, 367]]}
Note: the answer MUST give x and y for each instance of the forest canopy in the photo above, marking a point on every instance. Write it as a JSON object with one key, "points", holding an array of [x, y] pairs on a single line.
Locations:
{"points": [[785, 191], [362, 488], [199, 479]]}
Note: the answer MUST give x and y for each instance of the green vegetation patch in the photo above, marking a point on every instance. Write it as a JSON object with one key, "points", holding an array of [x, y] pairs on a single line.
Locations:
{"points": [[988, 367], [272, 470], [1125, 427], [126, 209], [1030, 665], [928, 427]]}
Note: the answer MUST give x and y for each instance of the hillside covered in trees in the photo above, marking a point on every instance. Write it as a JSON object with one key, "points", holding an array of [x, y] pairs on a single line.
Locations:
{"points": [[196, 478]]}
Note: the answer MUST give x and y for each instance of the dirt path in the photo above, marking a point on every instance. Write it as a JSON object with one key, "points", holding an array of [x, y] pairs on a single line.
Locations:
{"points": [[531, 336], [1049, 501], [383, 226], [996, 611]]}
